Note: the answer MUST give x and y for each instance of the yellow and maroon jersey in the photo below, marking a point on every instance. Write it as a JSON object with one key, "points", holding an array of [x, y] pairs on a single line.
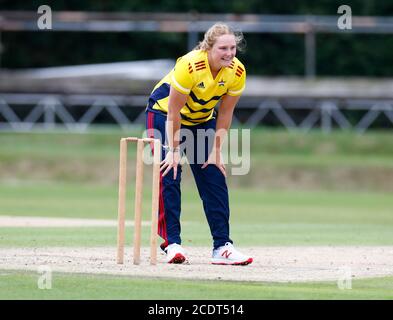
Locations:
{"points": [[192, 76]]}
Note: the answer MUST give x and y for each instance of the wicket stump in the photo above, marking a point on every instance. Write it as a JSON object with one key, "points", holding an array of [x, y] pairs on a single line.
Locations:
{"points": [[138, 198]]}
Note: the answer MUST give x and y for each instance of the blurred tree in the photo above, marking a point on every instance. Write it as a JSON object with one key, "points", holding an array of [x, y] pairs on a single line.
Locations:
{"points": [[267, 54]]}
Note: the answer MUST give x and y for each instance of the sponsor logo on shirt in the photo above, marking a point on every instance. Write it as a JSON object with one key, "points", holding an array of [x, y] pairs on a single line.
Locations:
{"points": [[201, 85]]}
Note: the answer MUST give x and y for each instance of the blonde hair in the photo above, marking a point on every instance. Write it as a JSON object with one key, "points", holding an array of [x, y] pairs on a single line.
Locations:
{"points": [[217, 30]]}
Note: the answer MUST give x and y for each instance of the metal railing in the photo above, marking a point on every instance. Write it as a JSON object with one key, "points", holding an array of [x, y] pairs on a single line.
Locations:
{"points": [[51, 111]]}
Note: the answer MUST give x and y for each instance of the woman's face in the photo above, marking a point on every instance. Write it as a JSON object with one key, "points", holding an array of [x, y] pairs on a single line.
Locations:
{"points": [[223, 51]]}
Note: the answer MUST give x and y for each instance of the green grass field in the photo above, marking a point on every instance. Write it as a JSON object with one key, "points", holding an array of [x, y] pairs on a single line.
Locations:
{"points": [[18, 285], [258, 217], [309, 189]]}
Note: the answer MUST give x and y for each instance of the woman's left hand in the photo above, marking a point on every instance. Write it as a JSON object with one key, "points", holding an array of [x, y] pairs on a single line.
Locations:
{"points": [[216, 158]]}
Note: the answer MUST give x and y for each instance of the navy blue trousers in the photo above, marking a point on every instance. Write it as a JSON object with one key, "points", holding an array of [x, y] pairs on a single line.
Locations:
{"points": [[210, 182]]}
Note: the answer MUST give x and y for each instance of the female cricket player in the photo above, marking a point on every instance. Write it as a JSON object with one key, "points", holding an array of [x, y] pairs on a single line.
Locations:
{"points": [[180, 111]]}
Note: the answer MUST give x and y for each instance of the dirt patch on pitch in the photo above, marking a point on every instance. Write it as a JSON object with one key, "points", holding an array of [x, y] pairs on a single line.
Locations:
{"points": [[271, 264]]}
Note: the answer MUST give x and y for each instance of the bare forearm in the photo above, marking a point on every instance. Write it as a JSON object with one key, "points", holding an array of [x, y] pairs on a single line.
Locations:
{"points": [[223, 124], [224, 120], [173, 129]]}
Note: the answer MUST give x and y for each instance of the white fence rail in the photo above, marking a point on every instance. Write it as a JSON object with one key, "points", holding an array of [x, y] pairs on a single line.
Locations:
{"points": [[76, 113]]}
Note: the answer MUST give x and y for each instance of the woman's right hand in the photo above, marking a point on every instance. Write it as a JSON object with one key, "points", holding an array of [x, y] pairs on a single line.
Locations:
{"points": [[171, 161]]}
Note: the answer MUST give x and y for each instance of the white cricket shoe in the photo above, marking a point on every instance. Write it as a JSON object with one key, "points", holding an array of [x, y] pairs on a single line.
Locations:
{"points": [[228, 255], [175, 253]]}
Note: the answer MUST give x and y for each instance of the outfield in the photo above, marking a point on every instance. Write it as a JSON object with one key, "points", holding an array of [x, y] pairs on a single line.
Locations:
{"points": [[303, 190]]}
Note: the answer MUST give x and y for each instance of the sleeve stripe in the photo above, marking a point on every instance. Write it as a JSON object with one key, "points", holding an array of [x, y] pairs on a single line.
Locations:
{"points": [[235, 92], [179, 86]]}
